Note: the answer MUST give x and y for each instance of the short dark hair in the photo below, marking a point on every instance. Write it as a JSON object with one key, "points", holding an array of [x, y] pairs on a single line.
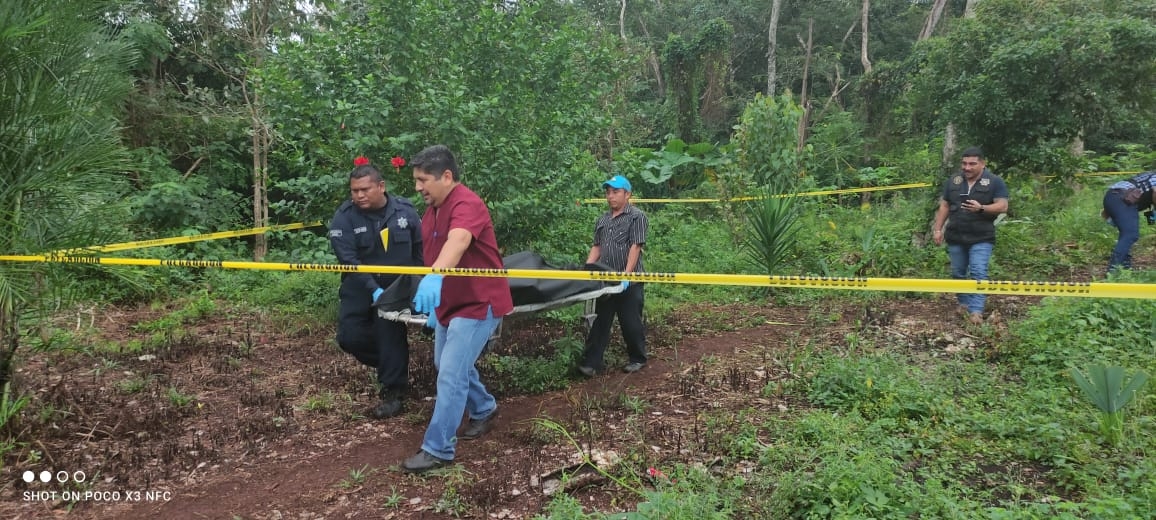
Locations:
{"points": [[366, 170], [973, 151], [435, 160]]}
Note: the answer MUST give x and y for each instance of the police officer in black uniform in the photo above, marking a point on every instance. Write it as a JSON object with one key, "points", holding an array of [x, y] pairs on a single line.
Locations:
{"points": [[374, 228]]}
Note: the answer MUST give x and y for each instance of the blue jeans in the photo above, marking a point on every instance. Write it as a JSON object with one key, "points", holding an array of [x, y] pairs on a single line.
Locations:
{"points": [[460, 389], [1126, 219], [969, 262]]}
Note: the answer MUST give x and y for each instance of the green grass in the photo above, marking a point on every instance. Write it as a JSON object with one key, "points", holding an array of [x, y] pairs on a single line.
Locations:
{"points": [[319, 403], [192, 311], [893, 433]]}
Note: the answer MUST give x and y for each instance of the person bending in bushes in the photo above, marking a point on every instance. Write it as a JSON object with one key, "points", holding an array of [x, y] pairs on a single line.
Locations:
{"points": [[374, 228], [1122, 206], [619, 236], [973, 198]]}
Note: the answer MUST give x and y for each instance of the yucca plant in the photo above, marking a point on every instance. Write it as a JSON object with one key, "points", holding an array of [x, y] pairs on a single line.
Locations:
{"points": [[772, 223], [1110, 390]]}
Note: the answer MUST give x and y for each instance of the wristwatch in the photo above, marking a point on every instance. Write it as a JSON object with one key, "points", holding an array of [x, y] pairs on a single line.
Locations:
{"points": [[981, 208]]}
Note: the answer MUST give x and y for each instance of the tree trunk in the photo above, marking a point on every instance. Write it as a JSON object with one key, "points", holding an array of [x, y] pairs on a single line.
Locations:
{"points": [[950, 146], [969, 10], [773, 46], [622, 21], [863, 42], [932, 20], [1076, 148], [652, 58], [260, 182], [258, 32], [804, 102]]}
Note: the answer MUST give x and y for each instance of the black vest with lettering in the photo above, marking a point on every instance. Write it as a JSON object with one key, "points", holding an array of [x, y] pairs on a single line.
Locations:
{"points": [[966, 227]]}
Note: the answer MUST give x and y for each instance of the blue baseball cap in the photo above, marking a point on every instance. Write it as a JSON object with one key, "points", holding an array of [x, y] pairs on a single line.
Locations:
{"points": [[618, 182]]}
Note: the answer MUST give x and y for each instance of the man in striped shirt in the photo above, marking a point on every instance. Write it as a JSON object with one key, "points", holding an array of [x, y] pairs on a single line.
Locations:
{"points": [[619, 236]]}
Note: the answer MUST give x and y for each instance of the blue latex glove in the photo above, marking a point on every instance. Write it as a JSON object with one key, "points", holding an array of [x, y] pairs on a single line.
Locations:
{"points": [[432, 321], [377, 294], [625, 284], [429, 294]]}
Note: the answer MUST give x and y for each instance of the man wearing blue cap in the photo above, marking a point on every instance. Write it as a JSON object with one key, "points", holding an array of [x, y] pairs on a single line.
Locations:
{"points": [[619, 236]]}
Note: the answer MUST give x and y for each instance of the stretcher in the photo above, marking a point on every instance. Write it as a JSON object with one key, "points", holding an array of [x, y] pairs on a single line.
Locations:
{"points": [[587, 298], [529, 295]]}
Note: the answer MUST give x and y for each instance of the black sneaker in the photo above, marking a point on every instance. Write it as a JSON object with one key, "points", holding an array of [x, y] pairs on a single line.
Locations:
{"points": [[587, 371], [478, 427], [422, 462], [390, 406], [633, 367]]}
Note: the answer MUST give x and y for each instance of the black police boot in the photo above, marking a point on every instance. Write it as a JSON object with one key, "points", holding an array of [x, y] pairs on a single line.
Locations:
{"points": [[390, 406]]}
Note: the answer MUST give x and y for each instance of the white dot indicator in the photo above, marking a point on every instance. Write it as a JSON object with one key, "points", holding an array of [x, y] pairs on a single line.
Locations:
{"points": [[29, 476], [45, 476], [62, 476], [78, 476]]}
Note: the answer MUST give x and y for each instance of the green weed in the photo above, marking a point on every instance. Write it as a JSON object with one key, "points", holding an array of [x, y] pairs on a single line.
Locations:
{"points": [[634, 404], [394, 499], [134, 384], [356, 478], [193, 311], [322, 402], [533, 374], [178, 399]]}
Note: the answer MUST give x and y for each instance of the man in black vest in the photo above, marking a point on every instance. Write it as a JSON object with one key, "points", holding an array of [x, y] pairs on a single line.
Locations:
{"points": [[972, 198]]}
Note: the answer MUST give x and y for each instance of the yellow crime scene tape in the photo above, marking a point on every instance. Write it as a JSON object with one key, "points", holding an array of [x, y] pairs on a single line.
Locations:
{"points": [[1021, 288], [824, 192], [1101, 174], [156, 242], [779, 196]]}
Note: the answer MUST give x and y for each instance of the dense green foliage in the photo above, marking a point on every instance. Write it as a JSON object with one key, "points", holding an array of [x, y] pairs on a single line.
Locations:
{"points": [[516, 92], [1026, 78], [60, 85]]}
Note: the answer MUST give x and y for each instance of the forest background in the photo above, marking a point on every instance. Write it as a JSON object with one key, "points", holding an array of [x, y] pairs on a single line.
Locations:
{"points": [[131, 120]]}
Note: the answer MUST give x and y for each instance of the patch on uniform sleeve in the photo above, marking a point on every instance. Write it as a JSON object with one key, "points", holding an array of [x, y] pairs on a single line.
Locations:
{"points": [[334, 233], [360, 230]]}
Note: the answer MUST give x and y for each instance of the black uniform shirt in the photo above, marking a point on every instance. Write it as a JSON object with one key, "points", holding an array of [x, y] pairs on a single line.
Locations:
{"points": [[358, 238]]}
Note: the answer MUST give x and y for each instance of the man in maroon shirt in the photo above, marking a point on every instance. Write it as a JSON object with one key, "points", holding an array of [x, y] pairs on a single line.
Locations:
{"points": [[464, 310]]}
